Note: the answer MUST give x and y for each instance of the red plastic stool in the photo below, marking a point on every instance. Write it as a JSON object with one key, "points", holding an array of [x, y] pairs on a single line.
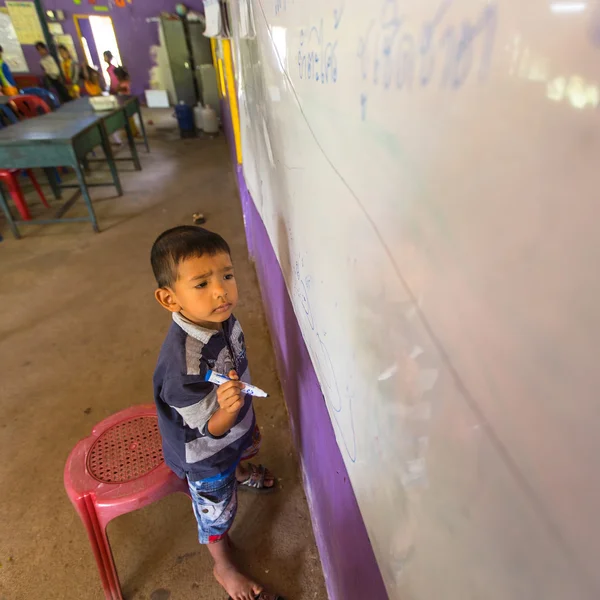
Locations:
{"points": [[116, 470], [9, 177]]}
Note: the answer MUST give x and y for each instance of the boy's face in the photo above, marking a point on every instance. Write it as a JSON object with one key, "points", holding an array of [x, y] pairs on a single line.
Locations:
{"points": [[205, 291]]}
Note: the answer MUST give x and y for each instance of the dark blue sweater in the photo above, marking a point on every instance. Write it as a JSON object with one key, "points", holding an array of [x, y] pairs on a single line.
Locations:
{"points": [[185, 401]]}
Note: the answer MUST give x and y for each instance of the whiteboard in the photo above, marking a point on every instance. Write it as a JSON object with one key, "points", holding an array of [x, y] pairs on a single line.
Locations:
{"points": [[428, 175], [13, 53]]}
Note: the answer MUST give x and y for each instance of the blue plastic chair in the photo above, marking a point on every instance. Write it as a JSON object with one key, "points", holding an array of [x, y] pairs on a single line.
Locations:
{"points": [[8, 117], [47, 96]]}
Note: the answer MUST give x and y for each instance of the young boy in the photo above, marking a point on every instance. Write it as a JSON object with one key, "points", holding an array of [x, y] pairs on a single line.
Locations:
{"points": [[206, 430], [52, 72]]}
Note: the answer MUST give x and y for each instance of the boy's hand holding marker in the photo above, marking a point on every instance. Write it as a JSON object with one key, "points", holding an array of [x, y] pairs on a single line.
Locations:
{"points": [[221, 380], [229, 394], [231, 397]]}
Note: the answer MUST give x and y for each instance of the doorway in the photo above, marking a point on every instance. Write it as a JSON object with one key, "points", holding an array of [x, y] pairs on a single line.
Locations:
{"points": [[97, 35]]}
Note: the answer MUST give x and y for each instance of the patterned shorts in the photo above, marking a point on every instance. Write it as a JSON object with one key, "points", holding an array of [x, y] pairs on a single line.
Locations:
{"points": [[215, 500]]}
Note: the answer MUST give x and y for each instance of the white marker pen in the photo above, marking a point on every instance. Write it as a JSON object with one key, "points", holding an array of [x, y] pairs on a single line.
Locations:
{"points": [[219, 379]]}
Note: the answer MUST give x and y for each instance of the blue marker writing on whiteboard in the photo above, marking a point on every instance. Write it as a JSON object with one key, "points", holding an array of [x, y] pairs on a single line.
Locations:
{"points": [[219, 379]]}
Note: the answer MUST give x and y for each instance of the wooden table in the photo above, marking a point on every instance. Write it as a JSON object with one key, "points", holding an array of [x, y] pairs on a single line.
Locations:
{"points": [[130, 104], [112, 120], [48, 142]]}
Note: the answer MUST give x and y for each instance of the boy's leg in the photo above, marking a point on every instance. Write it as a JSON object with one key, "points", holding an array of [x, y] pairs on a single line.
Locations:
{"points": [[215, 506], [242, 473], [235, 583], [61, 91]]}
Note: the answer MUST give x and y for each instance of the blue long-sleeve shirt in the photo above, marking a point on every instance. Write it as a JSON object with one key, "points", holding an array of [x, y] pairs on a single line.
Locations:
{"points": [[7, 74]]}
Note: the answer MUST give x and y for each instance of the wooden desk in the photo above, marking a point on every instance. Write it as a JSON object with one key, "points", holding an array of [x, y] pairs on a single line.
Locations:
{"points": [[130, 104], [112, 120], [48, 142]]}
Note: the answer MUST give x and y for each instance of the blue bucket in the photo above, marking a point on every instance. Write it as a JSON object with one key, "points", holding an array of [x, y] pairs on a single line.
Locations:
{"points": [[185, 120]]}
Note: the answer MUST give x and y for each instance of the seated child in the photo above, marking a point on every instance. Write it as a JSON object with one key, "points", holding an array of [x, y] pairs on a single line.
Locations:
{"points": [[207, 430], [91, 85], [91, 82], [7, 81], [124, 89]]}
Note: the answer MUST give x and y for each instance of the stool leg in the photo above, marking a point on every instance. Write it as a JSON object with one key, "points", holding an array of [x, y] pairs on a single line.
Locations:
{"points": [[100, 548], [37, 187], [109, 561], [17, 195]]}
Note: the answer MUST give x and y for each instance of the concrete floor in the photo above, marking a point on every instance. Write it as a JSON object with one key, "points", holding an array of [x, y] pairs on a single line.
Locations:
{"points": [[79, 335]]}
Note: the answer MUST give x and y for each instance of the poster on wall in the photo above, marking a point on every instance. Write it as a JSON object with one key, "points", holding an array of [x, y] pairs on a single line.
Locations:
{"points": [[13, 53], [55, 28], [102, 5], [25, 21]]}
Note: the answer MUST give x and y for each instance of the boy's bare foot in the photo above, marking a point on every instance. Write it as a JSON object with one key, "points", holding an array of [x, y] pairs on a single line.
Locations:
{"points": [[237, 585]]}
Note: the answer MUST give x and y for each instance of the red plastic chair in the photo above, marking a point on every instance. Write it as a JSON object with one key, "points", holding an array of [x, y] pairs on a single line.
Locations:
{"points": [[24, 81], [9, 178], [116, 470], [28, 106]]}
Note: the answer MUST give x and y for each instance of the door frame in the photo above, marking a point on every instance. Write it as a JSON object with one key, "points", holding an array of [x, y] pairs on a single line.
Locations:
{"points": [[76, 18]]}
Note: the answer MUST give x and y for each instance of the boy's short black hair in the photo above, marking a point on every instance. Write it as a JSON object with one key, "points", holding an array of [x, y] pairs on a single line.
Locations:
{"points": [[179, 243], [41, 46]]}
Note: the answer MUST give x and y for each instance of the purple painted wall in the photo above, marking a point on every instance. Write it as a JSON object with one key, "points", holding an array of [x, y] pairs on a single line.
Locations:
{"points": [[134, 35]]}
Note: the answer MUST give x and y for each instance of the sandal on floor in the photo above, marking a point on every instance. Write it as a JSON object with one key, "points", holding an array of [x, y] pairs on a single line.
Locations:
{"points": [[265, 596], [255, 482]]}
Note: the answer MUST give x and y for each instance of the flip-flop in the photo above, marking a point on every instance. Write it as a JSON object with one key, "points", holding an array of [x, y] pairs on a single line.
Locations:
{"points": [[268, 596], [255, 482]]}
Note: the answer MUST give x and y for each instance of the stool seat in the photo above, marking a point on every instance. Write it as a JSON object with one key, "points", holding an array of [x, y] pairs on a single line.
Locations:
{"points": [[118, 469], [127, 451]]}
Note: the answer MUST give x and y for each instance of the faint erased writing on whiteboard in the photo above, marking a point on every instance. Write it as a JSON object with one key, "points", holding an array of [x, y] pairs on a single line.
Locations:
{"points": [[337, 397], [279, 6], [395, 53], [317, 56]]}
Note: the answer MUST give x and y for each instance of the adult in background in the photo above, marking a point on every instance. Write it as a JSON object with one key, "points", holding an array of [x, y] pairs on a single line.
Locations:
{"points": [[70, 71], [52, 72], [112, 74], [9, 86]]}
